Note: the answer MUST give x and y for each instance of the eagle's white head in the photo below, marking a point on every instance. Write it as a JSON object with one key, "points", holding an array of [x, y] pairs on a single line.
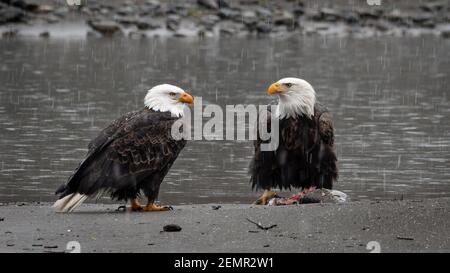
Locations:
{"points": [[167, 97], [295, 97]]}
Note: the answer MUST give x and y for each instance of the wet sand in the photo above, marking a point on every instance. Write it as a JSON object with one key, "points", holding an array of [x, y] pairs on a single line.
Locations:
{"points": [[398, 226]]}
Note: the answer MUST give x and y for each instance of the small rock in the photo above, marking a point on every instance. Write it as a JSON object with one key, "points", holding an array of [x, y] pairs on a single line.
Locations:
{"points": [[351, 17], [396, 16], [369, 14], [91, 34], [105, 27], [382, 26], [432, 7], [10, 33], [61, 12], [216, 207], [286, 18], [223, 4], [201, 33], [179, 9], [227, 30], [298, 11], [424, 20], [11, 15], [172, 228], [249, 16], [104, 11], [127, 10], [45, 9], [227, 13], [179, 34], [263, 28], [209, 4], [445, 33], [24, 5], [126, 20], [173, 22], [2, 219], [145, 25], [137, 34], [209, 21], [263, 12], [329, 15], [44, 34]]}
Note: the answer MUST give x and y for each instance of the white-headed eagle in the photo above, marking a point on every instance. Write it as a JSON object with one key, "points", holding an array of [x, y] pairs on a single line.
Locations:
{"points": [[305, 156], [133, 154]]}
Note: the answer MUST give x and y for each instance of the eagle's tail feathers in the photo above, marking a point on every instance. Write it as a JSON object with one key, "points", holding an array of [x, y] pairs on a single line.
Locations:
{"points": [[69, 202]]}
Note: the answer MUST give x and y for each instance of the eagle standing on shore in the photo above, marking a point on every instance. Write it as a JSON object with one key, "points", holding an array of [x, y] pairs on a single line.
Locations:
{"points": [[305, 156], [133, 154]]}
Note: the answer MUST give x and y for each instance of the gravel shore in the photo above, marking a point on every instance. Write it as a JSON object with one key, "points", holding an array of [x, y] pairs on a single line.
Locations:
{"points": [[397, 226], [211, 18]]}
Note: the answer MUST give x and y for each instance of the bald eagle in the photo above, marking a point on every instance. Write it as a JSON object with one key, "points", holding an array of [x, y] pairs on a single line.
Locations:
{"points": [[133, 154], [305, 156]]}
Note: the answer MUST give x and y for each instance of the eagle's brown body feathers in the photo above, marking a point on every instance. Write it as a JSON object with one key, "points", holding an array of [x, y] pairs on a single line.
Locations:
{"points": [[133, 153], [305, 156]]}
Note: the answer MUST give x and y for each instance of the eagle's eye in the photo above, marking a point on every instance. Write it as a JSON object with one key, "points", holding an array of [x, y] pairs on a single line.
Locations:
{"points": [[288, 85], [172, 94]]}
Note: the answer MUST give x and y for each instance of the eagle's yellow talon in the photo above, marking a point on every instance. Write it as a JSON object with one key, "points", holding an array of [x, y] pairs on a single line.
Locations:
{"points": [[153, 207], [265, 197], [135, 206]]}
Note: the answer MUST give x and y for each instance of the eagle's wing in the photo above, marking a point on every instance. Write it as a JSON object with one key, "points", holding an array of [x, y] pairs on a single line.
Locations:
{"points": [[327, 156], [103, 139], [109, 131], [145, 145], [326, 129], [138, 142]]}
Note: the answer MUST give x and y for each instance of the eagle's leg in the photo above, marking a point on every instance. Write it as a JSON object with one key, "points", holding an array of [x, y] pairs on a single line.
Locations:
{"points": [[265, 197], [135, 206], [153, 207]]}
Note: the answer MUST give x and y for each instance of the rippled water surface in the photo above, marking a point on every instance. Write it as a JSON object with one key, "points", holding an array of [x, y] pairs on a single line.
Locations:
{"points": [[389, 98]]}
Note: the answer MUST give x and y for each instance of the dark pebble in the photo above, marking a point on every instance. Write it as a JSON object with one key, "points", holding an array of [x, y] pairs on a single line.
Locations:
{"points": [[172, 228], [263, 28], [53, 246], [44, 34]]}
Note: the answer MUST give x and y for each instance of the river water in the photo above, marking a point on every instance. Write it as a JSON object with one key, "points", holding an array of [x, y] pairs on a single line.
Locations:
{"points": [[389, 98]]}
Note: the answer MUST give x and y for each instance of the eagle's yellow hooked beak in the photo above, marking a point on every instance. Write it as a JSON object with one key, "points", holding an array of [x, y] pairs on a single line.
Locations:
{"points": [[275, 88], [186, 98]]}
